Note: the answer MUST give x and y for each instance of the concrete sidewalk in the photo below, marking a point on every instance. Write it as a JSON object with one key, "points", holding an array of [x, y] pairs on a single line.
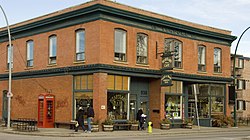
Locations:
{"points": [[62, 132]]}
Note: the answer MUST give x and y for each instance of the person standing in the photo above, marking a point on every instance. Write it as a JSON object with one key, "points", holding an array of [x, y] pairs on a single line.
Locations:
{"points": [[139, 118], [90, 116], [80, 119]]}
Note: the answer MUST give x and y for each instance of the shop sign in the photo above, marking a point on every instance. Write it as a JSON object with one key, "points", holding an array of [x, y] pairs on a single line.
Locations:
{"points": [[166, 80], [167, 61]]}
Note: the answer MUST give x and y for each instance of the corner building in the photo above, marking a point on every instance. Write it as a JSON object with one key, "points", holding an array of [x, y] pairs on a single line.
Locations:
{"points": [[110, 55]]}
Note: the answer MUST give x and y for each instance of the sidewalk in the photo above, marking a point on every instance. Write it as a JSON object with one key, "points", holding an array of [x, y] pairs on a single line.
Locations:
{"points": [[63, 132]]}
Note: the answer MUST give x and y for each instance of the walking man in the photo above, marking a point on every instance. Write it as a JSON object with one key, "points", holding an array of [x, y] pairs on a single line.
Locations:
{"points": [[80, 119], [90, 116]]}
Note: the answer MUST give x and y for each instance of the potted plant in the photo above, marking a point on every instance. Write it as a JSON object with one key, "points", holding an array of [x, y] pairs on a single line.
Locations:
{"points": [[95, 126], [134, 124], [108, 125], [188, 123], [165, 124]]}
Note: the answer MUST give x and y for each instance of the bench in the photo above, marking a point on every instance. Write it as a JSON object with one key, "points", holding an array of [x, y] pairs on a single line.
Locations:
{"points": [[71, 124], [121, 125], [25, 124]]}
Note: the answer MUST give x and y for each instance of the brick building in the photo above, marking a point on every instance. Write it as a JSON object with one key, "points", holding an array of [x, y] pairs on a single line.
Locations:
{"points": [[111, 56], [242, 73]]}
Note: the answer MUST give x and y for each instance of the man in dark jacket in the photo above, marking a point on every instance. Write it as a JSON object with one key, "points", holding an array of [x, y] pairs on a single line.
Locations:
{"points": [[80, 119], [90, 116]]}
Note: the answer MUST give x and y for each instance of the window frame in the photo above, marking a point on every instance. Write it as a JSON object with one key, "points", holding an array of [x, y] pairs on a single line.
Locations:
{"points": [[30, 53], [52, 47], [241, 84], [218, 66], [141, 59], [176, 63], [9, 56], [202, 55], [120, 56], [80, 45]]}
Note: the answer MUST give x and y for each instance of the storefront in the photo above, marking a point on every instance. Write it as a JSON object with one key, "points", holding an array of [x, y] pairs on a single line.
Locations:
{"points": [[180, 104]]}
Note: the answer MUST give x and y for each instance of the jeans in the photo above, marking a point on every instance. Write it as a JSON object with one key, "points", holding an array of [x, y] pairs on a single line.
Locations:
{"points": [[89, 120]]}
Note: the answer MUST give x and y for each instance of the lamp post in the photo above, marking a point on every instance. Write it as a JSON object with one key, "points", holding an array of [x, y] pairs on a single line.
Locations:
{"points": [[9, 94], [234, 82]]}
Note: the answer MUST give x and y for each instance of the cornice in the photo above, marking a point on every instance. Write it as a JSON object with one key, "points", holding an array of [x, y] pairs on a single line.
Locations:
{"points": [[103, 12], [113, 69]]}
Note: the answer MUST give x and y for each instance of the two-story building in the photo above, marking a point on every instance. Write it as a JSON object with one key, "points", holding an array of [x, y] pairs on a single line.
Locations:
{"points": [[110, 56]]}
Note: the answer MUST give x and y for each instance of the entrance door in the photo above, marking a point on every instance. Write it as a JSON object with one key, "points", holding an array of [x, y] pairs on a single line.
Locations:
{"points": [[5, 106]]}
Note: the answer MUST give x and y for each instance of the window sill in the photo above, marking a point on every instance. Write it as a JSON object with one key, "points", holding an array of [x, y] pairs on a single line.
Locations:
{"points": [[51, 65], [202, 72], [178, 69], [120, 62], [28, 68], [217, 73], [142, 65], [78, 62]]}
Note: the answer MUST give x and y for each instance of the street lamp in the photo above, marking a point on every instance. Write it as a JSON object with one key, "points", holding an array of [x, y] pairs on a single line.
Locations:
{"points": [[10, 66], [234, 82]]}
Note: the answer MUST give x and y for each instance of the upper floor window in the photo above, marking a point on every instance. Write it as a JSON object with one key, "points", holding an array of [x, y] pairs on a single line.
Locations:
{"points": [[174, 46], [217, 60], [201, 58], [120, 45], [30, 53], [80, 45], [9, 56], [142, 49], [241, 84], [241, 105], [240, 63], [52, 49]]}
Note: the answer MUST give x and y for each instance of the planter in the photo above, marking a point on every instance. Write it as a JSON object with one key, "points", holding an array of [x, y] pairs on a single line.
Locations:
{"points": [[165, 126], [95, 127], [134, 127], [108, 128], [189, 125]]}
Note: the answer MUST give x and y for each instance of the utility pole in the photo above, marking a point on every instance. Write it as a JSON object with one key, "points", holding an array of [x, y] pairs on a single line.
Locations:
{"points": [[9, 94], [234, 76]]}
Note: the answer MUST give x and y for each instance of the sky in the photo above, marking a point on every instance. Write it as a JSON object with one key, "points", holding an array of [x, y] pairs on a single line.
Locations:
{"points": [[233, 15]]}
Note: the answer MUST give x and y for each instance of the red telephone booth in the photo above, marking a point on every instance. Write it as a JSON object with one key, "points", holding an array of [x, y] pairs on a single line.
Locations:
{"points": [[46, 109]]}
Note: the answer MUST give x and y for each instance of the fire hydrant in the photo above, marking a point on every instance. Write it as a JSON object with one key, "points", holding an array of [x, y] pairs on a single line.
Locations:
{"points": [[150, 124]]}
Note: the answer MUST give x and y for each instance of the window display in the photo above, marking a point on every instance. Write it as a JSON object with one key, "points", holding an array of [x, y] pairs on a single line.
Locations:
{"points": [[117, 106], [173, 107]]}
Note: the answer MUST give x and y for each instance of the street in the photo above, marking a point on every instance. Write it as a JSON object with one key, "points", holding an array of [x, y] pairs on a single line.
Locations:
{"points": [[238, 135]]}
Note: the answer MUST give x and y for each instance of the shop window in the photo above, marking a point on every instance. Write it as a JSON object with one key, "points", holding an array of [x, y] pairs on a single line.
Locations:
{"points": [[142, 49], [117, 106], [116, 82], [173, 106], [120, 45], [217, 60], [81, 100], [201, 58], [84, 82]]}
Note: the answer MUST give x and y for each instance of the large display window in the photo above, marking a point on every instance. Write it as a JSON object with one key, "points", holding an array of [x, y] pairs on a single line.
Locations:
{"points": [[173, 100], [118, 97]]}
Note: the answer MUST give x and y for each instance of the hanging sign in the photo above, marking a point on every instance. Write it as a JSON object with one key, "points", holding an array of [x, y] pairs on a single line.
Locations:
{"points": [[166, 80], [167, 64]]}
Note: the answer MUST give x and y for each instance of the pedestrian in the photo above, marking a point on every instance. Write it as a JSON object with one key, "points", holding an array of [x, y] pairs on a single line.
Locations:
{"points": [[90, 116], [80, 120], [139, 118]]}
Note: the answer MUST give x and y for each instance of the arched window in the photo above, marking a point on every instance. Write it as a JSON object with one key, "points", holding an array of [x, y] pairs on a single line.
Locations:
{"points": [[201, 58], [80, 45], [217, 60], [174, 46], [30, 53], [120, 45], [142, 49], [52, 49]]}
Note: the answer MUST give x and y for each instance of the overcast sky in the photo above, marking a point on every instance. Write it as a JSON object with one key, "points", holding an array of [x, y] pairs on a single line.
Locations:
{"points": [[233, 15]]}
